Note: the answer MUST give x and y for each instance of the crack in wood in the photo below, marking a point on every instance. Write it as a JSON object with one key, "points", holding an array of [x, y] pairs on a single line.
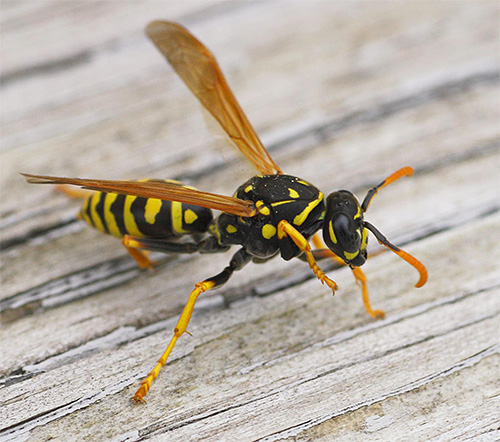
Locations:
{"points": [[77, 285], [53, 67], [119, 271], [48, 68], [128, 334], [324, 131], [162, 427], [366, 328], [71, 224], [458, 366], [18, 430], [14, 432]]}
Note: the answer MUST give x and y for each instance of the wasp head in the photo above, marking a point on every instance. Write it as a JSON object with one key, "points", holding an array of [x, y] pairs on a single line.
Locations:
{"points": [[343, 229]]}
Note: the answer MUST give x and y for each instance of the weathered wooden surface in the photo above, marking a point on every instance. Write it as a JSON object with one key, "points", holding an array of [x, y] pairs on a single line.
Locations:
{"points": [[343, 93]]}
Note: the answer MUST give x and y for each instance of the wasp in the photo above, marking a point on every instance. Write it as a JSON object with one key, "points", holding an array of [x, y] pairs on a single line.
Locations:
{"points": [[272, 213]]}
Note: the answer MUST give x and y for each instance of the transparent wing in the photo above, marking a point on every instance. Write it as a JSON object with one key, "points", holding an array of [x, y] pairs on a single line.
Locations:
{"points": [[197, 67], [156, 189]]}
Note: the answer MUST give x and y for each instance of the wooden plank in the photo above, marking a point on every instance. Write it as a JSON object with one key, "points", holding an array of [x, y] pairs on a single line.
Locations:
{"points": [[343, 94]]}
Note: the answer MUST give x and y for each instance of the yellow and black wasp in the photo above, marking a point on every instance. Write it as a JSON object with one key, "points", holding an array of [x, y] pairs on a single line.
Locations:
{"points": [[270, 214]]}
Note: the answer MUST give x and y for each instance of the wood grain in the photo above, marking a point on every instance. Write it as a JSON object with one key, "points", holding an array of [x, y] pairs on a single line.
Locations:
{"points": [[342, 94]]}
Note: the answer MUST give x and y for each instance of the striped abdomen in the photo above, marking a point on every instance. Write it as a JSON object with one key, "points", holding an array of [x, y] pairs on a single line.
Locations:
{"points": [[120, 215]]}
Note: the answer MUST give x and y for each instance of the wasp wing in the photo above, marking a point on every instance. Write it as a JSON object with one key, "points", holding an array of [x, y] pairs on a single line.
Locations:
{"points": [[156, 189], [197, 67]]}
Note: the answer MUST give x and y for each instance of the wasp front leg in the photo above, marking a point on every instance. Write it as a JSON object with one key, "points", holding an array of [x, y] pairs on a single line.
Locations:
{"points": [[323, 253], [285, 229]]}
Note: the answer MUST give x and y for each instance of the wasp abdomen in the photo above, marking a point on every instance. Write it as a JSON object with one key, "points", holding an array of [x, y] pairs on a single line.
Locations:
{"points": [[120, 215]]}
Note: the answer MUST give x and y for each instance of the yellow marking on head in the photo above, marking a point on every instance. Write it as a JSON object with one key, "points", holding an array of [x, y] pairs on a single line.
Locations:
{"points": [[358, 214], [262, 208], [190, 217], [278, 203], [109, 218], [231, 229], [305, 183], [293, 193], [128, 218], [332, 233], [350, 256], [83, 211], [94, 200], [268, 231], [153, 207], [302, 216], [249, 188], [176, 215]]}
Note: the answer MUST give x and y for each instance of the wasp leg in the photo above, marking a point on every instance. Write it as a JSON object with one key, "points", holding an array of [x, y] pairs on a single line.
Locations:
{"points": [[359, 275], [286, 229], [140, 257], [208, 245], [238, 261], [74, 192], [361, 282]]}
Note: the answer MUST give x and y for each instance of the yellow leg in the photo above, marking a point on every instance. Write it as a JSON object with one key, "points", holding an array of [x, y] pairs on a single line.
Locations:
{"points": [[180, 328], [286, 229], [140, 256], [358, 275], [74, 192], [361, 282]]}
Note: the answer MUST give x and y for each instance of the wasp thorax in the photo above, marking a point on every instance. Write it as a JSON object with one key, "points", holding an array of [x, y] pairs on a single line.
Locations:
{"points": [[343, 229]]}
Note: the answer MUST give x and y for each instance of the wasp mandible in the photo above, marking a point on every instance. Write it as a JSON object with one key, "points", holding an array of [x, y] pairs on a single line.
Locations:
{"points": [[270, 214]]}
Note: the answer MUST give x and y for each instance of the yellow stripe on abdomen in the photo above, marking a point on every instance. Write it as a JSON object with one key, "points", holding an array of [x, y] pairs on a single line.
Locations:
{"points": [[153, 207], [109, 218], [83, 212], [94, 200], [176, 214], [128, 218]]}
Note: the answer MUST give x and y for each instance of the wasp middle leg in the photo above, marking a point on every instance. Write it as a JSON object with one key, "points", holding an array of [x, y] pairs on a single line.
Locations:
{"points": [[323, 253]]}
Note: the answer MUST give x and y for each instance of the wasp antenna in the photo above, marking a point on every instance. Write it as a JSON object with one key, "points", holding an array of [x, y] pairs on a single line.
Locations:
{"points": [[401, 253], [404, 171]]}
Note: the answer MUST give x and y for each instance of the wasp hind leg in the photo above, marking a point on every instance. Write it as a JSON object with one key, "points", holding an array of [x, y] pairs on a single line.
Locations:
{"points": [[141, 257], [238, 261], [208, 245], [323, 253], [139, 248], [74, 192]]}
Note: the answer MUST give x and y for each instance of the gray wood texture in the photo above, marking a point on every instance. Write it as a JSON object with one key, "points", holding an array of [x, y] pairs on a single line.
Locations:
{"points": [[343, 94]]}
